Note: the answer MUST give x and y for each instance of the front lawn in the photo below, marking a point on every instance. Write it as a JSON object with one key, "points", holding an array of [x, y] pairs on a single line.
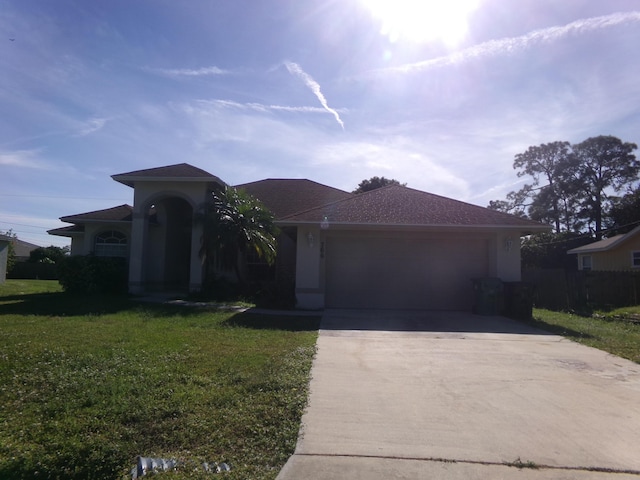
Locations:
{"points": [[619, 337], [88, 383]]}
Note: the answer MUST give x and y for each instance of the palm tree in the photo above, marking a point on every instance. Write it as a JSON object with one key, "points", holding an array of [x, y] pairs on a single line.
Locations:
{"points": [[234, 224]]}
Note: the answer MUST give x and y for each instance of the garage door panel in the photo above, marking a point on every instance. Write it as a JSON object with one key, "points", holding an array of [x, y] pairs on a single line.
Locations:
{"points": [[403, 273]]}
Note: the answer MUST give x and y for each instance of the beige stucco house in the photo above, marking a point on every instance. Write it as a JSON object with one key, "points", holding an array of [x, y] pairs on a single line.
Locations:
{"points": [[618, 253], [394, 247]]}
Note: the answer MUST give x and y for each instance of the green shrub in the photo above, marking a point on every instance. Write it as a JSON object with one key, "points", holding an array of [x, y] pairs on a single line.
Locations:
{"points": [[91, 274]]}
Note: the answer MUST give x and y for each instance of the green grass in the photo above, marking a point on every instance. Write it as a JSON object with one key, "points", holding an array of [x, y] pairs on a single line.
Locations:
{"points": [[26, 287], [618, 337], [88, 383]]}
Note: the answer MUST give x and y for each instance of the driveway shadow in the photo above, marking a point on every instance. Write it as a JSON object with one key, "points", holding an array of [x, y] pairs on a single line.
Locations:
{"points": [[424, 321]]}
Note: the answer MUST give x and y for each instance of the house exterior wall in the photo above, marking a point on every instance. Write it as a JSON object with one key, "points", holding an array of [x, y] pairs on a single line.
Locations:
{"points": [[77, 244], [616, 259], [309, 290], [4, 255], [85, 244], [507, 257]]}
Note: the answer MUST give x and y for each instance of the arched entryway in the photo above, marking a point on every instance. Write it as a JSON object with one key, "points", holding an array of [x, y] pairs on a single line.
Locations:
{"points": [[168, 243]]}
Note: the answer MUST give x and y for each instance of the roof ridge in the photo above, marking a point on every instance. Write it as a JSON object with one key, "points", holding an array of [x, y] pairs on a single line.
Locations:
{"points": [[293, 180], [352, 197]]}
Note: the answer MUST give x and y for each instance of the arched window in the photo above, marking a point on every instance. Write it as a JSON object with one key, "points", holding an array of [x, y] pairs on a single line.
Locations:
{"points": [[111, 243]]}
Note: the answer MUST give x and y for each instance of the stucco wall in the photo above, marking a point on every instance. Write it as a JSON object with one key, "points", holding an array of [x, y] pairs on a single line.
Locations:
{"points": [[4, 255], [507, 257]]}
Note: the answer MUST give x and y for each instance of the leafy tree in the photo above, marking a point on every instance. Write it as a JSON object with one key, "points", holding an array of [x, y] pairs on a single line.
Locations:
{"points": [[600, 164], [235, 223], [549, 250], [376, 182], [50, 254], [549, 163], [624, 214]]}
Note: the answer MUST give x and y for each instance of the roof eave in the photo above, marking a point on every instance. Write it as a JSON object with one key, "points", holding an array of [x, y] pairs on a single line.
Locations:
{"points": [[78, 221], [61, 233], [524, 230], [612, 245], [131, 181]]}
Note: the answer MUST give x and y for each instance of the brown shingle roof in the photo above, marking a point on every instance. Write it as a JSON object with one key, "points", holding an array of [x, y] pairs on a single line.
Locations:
{"points": [[399, 205], [285, 197], [22, 248], [606, 243], [121, 213], [181, 171], [66, 231]]}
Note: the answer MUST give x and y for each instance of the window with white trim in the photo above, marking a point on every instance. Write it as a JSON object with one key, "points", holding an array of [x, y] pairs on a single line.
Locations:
{"points": [[635, 259], [586, 262], [111, 243]]}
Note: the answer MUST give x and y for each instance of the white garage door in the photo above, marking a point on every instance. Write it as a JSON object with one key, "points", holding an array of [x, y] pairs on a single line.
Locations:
{"points": [[403, 272]]}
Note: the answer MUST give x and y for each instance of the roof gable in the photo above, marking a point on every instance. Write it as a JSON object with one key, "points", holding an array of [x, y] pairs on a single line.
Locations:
{"points": [[22, 248], [182, 172], [606, 244], [399, 205], [285, 197]]}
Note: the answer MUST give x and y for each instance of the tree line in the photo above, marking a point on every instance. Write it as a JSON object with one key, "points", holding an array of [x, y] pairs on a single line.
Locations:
{"points": [[576, 187]]}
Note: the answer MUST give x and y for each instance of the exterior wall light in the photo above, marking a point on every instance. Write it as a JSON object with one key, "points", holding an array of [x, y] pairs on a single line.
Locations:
{"points": [[508, 244], [310, 239], [325, 223]]}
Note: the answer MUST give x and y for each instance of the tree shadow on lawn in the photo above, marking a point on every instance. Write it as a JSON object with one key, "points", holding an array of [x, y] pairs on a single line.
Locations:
{"points": [[63, 304], [275, 321], [557, 329]]}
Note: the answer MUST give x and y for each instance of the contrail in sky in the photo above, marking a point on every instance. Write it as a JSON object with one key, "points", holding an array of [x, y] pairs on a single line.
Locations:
{"points": [[187, 72], [515, 44], [295, 69]]}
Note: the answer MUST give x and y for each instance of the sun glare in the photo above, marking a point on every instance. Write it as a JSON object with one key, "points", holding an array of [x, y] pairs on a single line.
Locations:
{"points": [[423, 20]]}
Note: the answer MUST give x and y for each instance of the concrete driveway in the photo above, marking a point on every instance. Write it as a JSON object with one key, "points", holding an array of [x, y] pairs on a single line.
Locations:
{"points": [[455, 396]]}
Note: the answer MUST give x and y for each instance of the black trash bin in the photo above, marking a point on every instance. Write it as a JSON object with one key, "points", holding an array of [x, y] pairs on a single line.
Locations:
{"points": [[488, 296], [518, 300]]}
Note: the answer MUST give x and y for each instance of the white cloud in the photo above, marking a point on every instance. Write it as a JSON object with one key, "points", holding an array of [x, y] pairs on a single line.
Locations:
{"points": [[189, 72], [23, 159], [91, 126], [260, 107], [508, 46], [314, 86], [398, 158]]}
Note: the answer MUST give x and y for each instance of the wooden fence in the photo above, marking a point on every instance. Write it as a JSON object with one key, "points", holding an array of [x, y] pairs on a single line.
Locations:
{"points": [[557, 289]]}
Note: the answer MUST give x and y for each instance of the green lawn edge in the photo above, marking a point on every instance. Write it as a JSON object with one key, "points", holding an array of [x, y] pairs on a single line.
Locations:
{"points": [[611, 334]]}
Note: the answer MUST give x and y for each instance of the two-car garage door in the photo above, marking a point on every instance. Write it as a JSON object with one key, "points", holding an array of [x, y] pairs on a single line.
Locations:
{"points": [[403, 272]]}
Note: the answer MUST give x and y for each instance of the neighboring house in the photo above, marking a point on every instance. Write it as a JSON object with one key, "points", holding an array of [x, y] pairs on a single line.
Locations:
{"points": [[394, 247], [618, 253], [4, 256], [23, 249]]}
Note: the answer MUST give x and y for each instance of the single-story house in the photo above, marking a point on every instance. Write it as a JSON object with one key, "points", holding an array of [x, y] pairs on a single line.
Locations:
{"points": [[394, 247], [618, 253], [23, 249]]}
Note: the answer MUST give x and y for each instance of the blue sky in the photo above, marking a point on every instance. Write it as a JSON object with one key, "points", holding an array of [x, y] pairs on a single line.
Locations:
{"points": [[335, 91]]}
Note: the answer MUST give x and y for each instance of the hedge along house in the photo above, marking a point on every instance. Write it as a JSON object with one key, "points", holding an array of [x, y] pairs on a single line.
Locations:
{"points": [[394, 247]]}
